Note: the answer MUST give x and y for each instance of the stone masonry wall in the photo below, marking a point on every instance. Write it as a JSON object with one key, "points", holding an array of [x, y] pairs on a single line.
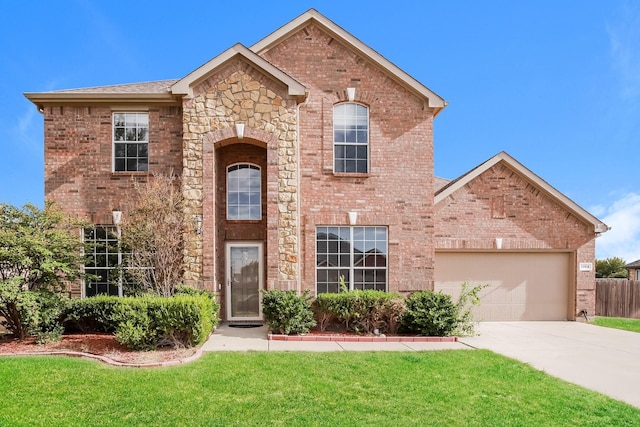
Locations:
{"points": [[240, 94]]}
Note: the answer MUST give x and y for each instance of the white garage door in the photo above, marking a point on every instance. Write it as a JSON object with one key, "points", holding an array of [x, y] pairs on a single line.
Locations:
{"points": [[522, 286]]}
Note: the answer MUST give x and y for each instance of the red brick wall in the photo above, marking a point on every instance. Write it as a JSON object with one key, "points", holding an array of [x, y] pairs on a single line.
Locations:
{"points": [[78, 158], [501, 204], [398, 191]]}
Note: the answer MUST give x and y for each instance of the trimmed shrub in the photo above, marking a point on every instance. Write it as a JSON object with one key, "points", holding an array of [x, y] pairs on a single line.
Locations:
{"points": [[133, 326], [324, 310], [430, 313], [94, 314], [329, 308], [145, 323], [190, 290], [287, 312], [185, 321], [148, 322], [360, 311]]}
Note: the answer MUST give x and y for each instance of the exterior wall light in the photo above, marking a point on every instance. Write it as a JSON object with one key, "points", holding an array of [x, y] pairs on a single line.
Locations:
{"points": [[197, 222], [498, 243]]}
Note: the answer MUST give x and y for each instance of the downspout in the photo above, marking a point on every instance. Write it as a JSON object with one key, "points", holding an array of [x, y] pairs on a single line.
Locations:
{"points": [[298, 195]]}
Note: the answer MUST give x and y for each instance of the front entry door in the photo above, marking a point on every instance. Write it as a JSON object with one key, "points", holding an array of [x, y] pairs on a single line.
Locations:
{"points": [[244, 281]]}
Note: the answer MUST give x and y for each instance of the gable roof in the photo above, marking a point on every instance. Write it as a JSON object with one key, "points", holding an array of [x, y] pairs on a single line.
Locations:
{"points": [[439, 183], [434, 100], [170, 91], [184, 86], [519, 168]]}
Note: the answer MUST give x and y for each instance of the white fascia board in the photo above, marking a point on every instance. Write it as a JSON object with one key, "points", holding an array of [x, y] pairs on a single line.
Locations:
{"points": [[184, 86]]}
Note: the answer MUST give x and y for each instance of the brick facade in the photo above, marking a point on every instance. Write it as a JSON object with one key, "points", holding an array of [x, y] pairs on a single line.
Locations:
{"points": [[500, 203], [401, 133], [78, 146], [289, 135]]}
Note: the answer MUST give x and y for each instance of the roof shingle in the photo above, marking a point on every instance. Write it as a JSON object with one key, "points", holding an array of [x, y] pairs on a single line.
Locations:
{"points": [[160, 86]]}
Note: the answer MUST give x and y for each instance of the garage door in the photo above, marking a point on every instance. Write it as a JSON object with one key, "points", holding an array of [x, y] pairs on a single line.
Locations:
{"points": [[522, 286]]}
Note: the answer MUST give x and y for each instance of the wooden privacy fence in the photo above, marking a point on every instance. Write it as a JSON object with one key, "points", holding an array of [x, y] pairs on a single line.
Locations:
{"points": [[618, 298]]}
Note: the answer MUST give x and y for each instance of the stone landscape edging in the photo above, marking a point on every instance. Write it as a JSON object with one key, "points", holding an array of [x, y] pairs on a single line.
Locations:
{"points": [[108, 360], [112, 362]]}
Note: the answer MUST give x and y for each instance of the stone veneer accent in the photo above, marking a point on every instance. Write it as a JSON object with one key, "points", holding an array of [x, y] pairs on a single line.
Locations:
{"points": [[239, 94]]}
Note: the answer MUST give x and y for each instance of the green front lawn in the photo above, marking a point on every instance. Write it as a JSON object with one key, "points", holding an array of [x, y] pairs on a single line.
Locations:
{"points": [[445, 388], [632, 325]]}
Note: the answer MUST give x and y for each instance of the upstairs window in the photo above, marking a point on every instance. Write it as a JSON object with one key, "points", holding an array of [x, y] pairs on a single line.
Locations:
{"points": [[244, 189], [350, 138], [130, 142]]}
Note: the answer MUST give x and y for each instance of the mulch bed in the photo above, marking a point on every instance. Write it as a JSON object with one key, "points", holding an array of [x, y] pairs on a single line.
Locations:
{"points": [[96, 344]]}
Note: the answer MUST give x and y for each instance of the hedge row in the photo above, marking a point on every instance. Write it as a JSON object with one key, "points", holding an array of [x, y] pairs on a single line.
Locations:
{"points": [[423, 313], [145, 323], [360, 311]]}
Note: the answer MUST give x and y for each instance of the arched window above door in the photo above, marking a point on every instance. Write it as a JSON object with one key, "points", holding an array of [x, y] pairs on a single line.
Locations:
{"points": [[244, 192]]}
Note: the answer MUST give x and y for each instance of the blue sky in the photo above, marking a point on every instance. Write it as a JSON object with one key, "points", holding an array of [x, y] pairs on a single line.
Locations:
{"points": [[554, 84]]}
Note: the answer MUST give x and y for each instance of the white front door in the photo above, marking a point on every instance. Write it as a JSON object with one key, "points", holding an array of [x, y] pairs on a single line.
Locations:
{"points": [[244, 281]]}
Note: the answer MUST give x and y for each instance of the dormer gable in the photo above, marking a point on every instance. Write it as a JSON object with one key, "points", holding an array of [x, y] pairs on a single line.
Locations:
{"points": [[184, 86]]}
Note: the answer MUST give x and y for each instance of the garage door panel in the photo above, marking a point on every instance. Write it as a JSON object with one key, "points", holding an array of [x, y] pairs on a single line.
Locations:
{"points": [[522, 286]]}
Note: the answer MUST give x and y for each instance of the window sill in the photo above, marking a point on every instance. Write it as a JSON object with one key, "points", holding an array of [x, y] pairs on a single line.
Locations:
{"points": [[351, 175], [129, 173]]}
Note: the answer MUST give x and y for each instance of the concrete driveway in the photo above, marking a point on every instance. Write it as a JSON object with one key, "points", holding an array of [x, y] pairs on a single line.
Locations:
{"points": [[601, 359]]}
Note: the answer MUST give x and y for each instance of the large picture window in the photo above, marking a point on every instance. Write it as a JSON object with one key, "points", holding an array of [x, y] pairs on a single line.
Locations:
{"points": [[359, 254], [351, 138], [104, 260], [244, 189], [130, 142]]}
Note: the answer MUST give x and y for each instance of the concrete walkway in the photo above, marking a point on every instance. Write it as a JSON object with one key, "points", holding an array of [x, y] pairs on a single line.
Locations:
{"points": [[602, 359], [227, 338]]}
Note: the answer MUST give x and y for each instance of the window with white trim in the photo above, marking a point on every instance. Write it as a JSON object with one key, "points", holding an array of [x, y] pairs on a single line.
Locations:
{"points": [[359, 254], [130, 142], [244, 192], [104, 260], [350, 138]]}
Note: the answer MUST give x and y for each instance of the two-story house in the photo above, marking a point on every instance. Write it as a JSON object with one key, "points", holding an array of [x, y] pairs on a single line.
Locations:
{"points": [[306, 157]]}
